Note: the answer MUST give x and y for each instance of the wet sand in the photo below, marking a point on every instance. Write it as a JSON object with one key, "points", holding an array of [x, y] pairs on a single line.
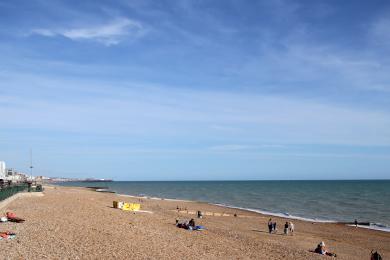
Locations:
{"points": [[76, 223]]}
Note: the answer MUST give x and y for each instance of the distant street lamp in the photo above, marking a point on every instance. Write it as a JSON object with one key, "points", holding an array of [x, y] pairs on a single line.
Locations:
{"points": [[31, 165]]}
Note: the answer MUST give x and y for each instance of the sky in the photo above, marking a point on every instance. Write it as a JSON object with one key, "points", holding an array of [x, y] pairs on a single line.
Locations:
{"points": [[196, 90]]}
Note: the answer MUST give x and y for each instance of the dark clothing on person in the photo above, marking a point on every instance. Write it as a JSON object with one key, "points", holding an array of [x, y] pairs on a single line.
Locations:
{"points": [[191, 223], [270, 227], [318, 250], [286, 228], [376, 256]]}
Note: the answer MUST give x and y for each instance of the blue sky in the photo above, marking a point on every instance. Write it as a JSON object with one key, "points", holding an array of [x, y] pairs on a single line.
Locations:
{"points": [[178, 90]]}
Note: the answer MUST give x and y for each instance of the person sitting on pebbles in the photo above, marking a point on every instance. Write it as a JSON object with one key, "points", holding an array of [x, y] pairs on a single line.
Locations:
{"points": [[191, 224], [186, 224], [321, 249]]}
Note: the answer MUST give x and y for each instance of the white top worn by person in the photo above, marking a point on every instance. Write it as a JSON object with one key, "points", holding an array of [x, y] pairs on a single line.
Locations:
{"points": [[292, 228]]}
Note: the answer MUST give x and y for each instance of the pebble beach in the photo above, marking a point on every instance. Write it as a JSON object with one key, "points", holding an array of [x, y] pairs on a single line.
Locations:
{"points": [[78, 223]]}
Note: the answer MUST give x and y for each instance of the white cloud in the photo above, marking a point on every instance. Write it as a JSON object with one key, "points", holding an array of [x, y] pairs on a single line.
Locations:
{"points": [[109, 34]]}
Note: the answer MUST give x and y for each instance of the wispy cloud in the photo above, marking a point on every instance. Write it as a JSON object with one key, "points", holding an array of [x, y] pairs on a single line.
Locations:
{"points": [[244, 147], [109, 33], [323, 66], [164, 112], [229, 148], [380, 31]]}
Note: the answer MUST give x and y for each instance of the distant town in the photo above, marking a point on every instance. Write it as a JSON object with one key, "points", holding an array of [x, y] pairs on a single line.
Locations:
{"points": [[13, 176]]}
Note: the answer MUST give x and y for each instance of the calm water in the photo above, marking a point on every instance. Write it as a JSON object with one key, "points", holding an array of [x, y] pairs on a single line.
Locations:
{"points": [[367, 201]]}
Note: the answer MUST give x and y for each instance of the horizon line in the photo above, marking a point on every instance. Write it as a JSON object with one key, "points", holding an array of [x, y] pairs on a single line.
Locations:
{"points": [[112, 180]]}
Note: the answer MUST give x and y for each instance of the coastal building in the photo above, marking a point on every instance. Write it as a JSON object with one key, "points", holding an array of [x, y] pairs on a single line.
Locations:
{"points": [[2, 170], [11, 175], [14, 176], [10, 172], [17, 177]]}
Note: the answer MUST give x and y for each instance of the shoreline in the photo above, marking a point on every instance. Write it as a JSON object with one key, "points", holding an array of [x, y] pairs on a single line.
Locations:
{"points": [[372, 226], [256, 211]]}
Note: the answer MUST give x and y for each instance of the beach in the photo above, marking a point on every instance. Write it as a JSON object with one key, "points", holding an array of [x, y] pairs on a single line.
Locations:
{"points": [[78, 223]]}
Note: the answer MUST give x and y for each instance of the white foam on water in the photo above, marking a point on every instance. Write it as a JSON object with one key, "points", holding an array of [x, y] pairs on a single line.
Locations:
{"points": [[282, 215], [153, 198], [373, 226]]}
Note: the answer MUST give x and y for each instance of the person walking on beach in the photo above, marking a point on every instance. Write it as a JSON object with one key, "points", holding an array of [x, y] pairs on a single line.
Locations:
{"points": [[356, 222], [286, 228], [292, 228], [274, 227], [270, 225]]}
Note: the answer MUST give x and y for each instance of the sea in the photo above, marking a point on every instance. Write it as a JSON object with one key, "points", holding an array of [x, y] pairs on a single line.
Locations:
{"points": [[316, 201]]}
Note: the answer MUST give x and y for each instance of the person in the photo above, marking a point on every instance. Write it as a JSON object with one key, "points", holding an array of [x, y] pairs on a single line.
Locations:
{"points": [[185, 224], [356, 222], [191, 224], [321, 249], [375, 255], [200, 214], [292, 228], [274, 227], [181, 224], [286, 228], [13, 218], [270, 225]]}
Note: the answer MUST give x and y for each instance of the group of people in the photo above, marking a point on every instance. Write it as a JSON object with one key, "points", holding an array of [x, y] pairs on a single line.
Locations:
{"points": [[190, 225], [288, 227], [271, 226]]}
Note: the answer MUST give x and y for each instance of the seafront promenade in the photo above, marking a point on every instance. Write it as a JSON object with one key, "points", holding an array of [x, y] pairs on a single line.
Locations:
{"points": [[76, 223]]}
